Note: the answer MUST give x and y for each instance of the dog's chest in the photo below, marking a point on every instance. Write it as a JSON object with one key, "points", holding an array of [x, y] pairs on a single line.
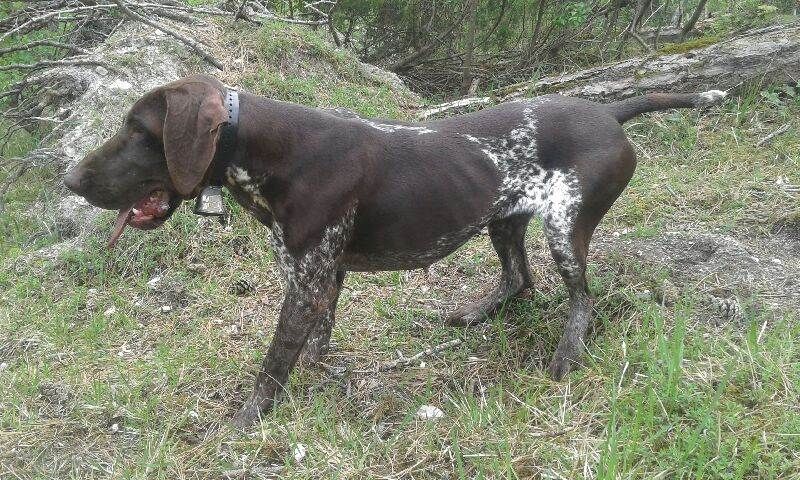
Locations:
{"points": [[247, 193]]}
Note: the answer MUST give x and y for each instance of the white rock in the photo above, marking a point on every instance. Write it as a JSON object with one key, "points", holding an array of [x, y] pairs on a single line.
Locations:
{"points": [[152, 284], [120, 85], [110, 311], [3, 366], [101, 70], [299, 452], [429, 412], [166, 309]]}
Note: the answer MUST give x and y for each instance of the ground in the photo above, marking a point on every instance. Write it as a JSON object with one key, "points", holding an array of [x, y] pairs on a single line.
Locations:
{"points": [[127, 364]]}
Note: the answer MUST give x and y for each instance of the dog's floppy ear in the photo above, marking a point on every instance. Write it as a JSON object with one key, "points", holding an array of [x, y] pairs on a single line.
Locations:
{"points": [[191, 128]]}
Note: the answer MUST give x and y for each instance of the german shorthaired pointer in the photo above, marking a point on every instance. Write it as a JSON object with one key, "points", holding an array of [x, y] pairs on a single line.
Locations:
{"points": [[346, 193]]}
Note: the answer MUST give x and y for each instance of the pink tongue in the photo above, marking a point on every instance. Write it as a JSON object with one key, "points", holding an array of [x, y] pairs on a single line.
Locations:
{"points": [[122, 220]]}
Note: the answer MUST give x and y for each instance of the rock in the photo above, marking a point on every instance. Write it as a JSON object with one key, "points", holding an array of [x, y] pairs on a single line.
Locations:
{"points": [[154, 283], [110, 311], [73, 216], [299, 452], [429, 412]]}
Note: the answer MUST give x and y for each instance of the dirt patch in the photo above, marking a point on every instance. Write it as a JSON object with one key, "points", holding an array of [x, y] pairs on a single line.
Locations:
{"points": [[720, 266]]}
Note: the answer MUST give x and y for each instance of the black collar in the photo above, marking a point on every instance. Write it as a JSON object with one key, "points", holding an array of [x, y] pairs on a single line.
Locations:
{"points": [[226, 145]]}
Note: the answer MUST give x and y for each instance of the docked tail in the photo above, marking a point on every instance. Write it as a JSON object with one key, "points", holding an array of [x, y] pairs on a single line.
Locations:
{"points": [[626, 109]]}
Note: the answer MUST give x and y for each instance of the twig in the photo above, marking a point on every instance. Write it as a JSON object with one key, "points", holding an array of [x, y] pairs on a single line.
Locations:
{"points": [[51, 63], [402, 362], [193, 44], [48, 16], [443, 107], [772, 135], [44, 43]]}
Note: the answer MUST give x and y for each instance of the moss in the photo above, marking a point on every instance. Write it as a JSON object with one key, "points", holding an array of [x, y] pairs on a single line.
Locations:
{"points": [[702, 42]]}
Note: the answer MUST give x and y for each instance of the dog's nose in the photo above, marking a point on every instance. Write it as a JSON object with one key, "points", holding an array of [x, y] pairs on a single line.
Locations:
{"points": [[72, 180]]}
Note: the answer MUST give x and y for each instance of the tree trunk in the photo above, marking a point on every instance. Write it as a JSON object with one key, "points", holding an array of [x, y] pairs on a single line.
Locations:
{"points": [[770, 54], [537, 28], [469, 48], [693, 19], [765, 55]]}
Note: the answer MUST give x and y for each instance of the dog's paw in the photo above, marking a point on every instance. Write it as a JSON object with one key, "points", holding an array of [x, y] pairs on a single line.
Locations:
{"points": [[465, 317], [247, 416]]}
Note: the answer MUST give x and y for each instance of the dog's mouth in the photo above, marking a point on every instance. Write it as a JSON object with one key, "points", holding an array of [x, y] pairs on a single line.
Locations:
{"points": [[146, 214]]}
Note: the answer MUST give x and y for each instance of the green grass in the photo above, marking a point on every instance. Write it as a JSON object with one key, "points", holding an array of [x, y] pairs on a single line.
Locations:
{"points": [[297, 64], [99, 382]]}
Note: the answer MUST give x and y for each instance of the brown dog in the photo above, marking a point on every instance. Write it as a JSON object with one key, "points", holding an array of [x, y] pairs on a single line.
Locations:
{"points": [[345, 193]]}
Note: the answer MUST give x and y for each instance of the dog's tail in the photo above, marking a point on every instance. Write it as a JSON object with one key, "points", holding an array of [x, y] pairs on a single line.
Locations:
{"points": [[626, 109]]}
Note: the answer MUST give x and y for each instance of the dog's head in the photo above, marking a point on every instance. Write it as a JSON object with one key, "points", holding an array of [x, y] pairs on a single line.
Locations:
{"points": [[158, 158]]}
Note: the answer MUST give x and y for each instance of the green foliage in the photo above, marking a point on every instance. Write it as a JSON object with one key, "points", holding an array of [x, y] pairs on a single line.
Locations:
{"points": [[746, 14]]}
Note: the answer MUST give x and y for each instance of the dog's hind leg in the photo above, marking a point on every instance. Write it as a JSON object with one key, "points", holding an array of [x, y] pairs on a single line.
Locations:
{"points": [[569, 231], [569, 249], [319, 338], [508, 239]]}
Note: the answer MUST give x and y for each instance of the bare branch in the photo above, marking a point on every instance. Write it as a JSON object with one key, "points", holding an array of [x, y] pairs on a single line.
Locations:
{"points": [[402, 362], [44, 43], [193, 44], [53, 63]]}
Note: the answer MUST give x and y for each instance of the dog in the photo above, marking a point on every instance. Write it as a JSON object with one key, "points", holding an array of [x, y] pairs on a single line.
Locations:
{"points": [[343, 193]]}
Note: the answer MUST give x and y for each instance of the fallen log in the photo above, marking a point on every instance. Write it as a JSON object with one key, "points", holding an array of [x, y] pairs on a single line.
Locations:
{"points": [[764, 55]]}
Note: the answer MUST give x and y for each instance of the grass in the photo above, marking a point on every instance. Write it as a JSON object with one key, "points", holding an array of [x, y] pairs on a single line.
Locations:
{"points": [[98, 380]]}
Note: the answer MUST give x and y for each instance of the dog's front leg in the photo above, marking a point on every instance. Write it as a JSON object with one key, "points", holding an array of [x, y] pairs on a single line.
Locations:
{"points": [[312, 287], [303, 307]]}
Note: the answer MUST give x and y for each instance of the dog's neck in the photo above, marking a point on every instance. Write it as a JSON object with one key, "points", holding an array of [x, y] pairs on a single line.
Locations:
{"points": [[265, 147], [227, 143]]}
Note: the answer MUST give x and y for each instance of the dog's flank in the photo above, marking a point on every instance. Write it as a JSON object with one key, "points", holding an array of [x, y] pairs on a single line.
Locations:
{"points": [[342, 193]]}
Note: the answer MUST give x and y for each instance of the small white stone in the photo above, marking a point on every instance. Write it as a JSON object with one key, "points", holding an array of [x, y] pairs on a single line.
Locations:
{"points": [[3, 366], [110, 311], [114, 428], [429, 412], [120, 85], [193, 414], [777, 261], [152, 284], [101, 70], [299, 452], [166, 309]]}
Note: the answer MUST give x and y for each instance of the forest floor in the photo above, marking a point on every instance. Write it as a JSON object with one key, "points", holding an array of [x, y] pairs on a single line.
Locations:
{"points": [[127, 364]]}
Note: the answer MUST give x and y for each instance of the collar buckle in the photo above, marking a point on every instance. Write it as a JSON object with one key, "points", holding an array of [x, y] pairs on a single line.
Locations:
{"points": [[209, 201]]}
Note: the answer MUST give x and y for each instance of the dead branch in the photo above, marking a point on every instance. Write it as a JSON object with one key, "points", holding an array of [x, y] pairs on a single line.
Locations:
{"points": [[769, 138], [191, 43], [54, 63], [457, 104], [44, 43], [403, 362]]}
